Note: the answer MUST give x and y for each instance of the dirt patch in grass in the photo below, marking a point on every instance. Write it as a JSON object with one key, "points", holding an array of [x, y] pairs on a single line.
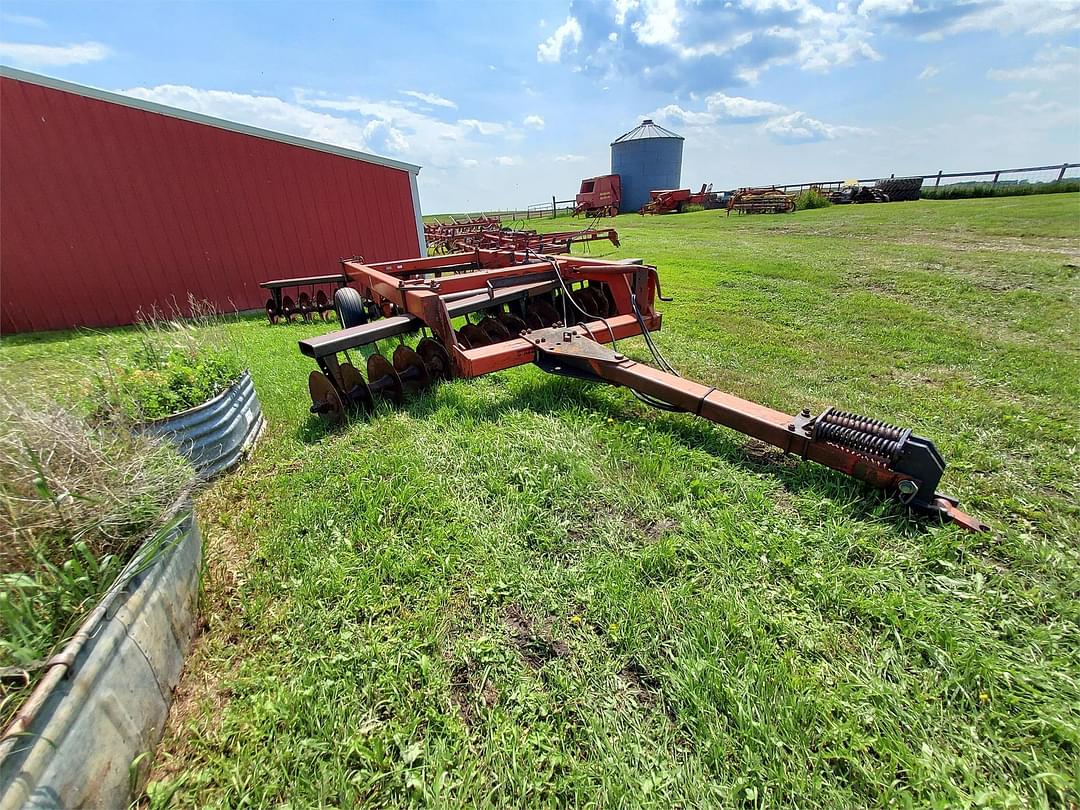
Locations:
{"points": [[465, 688], [203, 691], [644, 686], [535, 647]]}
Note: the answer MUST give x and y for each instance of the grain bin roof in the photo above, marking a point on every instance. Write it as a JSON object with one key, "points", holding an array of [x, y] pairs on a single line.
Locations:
{"points": [[646, 129]]}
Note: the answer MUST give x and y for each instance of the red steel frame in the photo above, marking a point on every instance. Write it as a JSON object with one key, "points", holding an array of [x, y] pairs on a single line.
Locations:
{"points": [[430, 292], [404, 285]]}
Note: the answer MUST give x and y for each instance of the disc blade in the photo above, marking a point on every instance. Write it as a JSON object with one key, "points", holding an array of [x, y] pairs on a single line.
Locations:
{"points": [[325, 400], [495, 330], [514, 325], [436, 358], [356, 390], [475, 336], [383, 379], [410, 368]]}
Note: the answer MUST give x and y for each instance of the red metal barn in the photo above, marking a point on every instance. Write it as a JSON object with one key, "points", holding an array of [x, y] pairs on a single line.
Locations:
{"points": [[110, 204]]}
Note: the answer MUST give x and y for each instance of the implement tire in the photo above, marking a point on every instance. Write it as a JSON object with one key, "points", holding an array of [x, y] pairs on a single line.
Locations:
{"points": [[350, 307], [900, 189]]}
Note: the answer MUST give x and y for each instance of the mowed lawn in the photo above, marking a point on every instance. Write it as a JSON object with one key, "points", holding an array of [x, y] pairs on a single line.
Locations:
{"points": [[532, 591]]}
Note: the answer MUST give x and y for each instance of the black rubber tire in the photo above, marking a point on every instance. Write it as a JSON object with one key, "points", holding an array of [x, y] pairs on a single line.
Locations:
{"points": [[350, 307], [900, 189]]}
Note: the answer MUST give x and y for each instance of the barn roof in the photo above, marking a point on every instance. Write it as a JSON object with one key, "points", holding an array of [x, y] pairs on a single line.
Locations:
{"points": [[186, 115]]}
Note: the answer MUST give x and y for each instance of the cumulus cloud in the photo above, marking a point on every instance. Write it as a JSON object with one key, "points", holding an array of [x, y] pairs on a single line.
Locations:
{"points": [[569, 158], [268, 112], [534, 121], [725, 106], [430, 98], [703, 45], [798, 127], [936, 19], [507, 160], [776, 121], [33, 55], [22, 19], [483, 127], [551, 49], [1048, 66]]}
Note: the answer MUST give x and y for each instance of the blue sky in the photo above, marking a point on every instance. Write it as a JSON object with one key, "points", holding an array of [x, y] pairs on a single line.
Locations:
{"points": [[505, 104]]}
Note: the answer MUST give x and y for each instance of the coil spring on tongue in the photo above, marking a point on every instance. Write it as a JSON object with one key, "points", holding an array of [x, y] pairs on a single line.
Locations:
{"points": [[861, 433]]}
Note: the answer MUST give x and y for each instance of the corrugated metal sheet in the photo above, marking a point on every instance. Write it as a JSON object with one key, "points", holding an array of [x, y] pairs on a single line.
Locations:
{"points": [[107, 209], [216, 434], [646, 162], [106, 704]]}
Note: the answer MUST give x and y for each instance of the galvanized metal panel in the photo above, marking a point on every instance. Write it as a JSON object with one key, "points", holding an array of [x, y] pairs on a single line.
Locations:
{"points": [[110, 208], [646, 160], [111, 705], [216, 434]]}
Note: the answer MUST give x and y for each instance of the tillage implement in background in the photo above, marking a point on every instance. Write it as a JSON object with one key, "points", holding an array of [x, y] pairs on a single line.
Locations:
{"points": [[487, 233], [482, 311]]}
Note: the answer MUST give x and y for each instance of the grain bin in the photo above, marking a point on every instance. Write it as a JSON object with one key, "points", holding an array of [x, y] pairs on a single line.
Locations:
{"points": [[647, 158]]}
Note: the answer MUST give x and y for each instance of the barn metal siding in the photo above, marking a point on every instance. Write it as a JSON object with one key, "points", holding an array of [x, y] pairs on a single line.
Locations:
{"points": [[106, 209]]}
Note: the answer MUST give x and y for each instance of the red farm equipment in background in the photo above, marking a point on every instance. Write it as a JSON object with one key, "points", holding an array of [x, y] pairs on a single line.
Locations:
{"points": [[599, 196], [677, 200]]}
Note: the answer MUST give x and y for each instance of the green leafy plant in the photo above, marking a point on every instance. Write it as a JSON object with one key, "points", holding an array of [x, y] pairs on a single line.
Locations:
{"points": [[175, 364], [811, 198]]}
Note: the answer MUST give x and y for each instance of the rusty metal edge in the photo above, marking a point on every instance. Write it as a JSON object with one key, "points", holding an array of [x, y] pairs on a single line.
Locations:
{"points": [[131, 646]]}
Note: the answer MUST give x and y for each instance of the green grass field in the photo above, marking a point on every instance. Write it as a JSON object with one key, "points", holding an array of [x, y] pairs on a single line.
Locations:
{"points": [[533, 591]]}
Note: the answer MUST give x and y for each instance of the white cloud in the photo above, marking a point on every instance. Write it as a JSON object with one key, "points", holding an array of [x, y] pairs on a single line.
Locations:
{"points": [[613, 36], [507, 160], [719, 108], [430, 98], [23, 19], [31, 55], [268, 112], [569, 158], [798, 127], [1009, 17], [469, 163], [726, 106], [673, 112], [622, 8], [929, 72], [534, 121], [661, 23], [890, 7], [483, 127], [551, 49], [1048, 66]]}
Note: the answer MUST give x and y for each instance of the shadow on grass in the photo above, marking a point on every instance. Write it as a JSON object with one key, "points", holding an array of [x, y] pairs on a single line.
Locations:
{"points": [[553, 395]]}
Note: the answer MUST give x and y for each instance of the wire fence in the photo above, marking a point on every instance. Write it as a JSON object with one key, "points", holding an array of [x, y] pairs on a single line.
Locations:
{"points": [[994, 177]]}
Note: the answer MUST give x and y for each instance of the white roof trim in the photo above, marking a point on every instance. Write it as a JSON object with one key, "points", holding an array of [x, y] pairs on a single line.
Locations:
{"points": [[185, 115]]}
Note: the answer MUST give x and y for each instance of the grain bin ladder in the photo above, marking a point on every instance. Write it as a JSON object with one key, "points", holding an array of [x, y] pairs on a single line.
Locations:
{"points": [[484, 311]]}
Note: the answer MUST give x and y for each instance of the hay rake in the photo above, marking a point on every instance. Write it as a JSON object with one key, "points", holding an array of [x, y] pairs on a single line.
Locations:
{"points": [[486, 310]]}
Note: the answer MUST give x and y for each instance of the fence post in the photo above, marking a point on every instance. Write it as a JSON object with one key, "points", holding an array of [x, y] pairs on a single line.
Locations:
{"points": [[1061, 174], [553, 206], [938, 181]]}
